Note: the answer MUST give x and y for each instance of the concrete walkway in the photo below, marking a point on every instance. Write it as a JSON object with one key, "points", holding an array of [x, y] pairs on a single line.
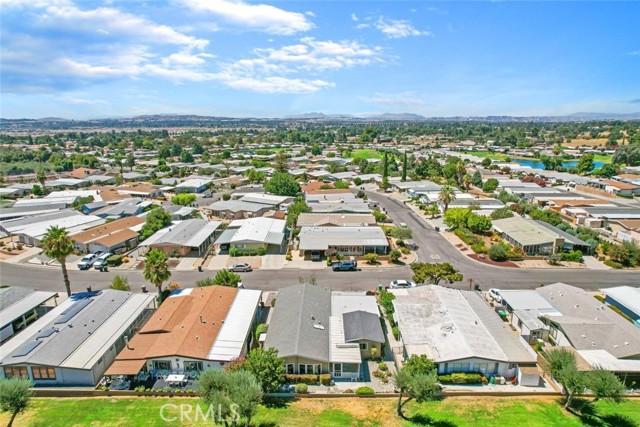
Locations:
{"points": [[593, 264], [273, 262], [186, 264]]}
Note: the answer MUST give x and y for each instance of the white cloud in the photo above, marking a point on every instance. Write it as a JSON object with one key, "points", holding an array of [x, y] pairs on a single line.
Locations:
{"points": [[259, 17], [315, 55], [398, 28], [114, 45], [354, 17], [277, 70], [401, 99], [106, 22]]}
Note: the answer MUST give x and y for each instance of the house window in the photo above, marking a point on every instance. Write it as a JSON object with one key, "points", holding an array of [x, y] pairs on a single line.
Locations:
{"points": [[193, 366], [43, 373], [513, 365], [16, 372], [309, 369], [291, 368], [364, 346], [162, 365]]}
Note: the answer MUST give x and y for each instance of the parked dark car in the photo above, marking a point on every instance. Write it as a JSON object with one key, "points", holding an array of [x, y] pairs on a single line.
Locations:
{"points": [[345, 266]]}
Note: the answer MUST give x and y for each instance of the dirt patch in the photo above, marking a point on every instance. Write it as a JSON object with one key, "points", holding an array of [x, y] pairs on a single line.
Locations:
{"points": [[580, 142], [486, 260]]}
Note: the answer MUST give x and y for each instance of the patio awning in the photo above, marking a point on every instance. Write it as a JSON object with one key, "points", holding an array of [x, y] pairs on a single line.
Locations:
{"points": [[125, 367]]}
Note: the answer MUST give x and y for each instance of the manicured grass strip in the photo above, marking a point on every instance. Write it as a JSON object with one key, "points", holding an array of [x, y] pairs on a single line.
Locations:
{"points": [[366, 154], [349, 412]]}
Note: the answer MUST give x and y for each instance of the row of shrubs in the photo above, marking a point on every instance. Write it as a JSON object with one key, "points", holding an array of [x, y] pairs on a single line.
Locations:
{"points": [[250, 252], [463, 378], [142, 389], [467, 236], [324, 379], [116, 260]]}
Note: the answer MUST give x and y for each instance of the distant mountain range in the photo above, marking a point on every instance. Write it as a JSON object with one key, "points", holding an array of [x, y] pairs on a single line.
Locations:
{"points": [[176, 120]]}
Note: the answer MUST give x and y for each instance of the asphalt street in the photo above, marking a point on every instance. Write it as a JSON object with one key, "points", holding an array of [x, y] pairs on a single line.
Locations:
{"points": [[432, 247]]}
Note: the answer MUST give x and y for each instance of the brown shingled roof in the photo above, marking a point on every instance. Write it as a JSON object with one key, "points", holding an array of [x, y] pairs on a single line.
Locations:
{"points": [[107, 229], [183, 325]]}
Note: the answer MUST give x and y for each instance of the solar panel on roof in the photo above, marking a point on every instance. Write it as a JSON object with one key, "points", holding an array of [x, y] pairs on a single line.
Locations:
{"points": [[26, 348], [66, 315], [46, 333]]}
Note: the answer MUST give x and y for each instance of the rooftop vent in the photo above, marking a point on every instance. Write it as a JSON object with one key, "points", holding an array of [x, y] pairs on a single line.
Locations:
{"points": [[318, 326]]}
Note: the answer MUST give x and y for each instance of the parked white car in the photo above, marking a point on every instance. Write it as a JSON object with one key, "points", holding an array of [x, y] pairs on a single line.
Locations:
{"points": [[402, 284], [87, 261], [102, 261], [495, 295]]}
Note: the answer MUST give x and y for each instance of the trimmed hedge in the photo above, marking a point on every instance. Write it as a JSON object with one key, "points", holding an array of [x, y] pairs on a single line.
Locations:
{"points": [[613, 264], [462, 378], [467, 236], [302, 388], [115, 260], [365, 391], [324, 379]]}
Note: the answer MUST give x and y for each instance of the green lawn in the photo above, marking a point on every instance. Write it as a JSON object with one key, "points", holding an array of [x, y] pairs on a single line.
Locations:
{"points": [[606, 158], [366, 154], [452, 412], [492, 156], [36, 166]]}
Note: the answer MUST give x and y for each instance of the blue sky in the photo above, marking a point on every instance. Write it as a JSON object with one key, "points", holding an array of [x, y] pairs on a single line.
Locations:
{"points": [[88, 59]]}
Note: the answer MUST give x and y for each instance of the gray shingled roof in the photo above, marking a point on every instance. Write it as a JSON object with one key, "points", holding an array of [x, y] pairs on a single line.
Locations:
{"points": [[11, 295], [300, 322], [590, 324], [360, 325]]}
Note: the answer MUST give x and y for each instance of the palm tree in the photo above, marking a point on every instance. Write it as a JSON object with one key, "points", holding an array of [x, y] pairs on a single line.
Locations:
{"points": [[56, 244], [41, 177], [156, 269], [461, 170], [466, 181], [447, 195]]}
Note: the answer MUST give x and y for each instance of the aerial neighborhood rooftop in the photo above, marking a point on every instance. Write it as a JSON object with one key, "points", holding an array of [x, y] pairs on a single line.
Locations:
{"points": [[345, 264]]}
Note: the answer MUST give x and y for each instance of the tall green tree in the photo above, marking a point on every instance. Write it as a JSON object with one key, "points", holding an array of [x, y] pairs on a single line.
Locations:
{"points": [[120, 283], [561, 364], [586, 164], [404, 167], [131, 161], [435, 273], [446, 195], [156, 268], [223, 277], [419, 386], [282, 184], [235, 395], [280, 162], [295, 210], [15, 396], [267, 367], [385, 166], [605, 385], [41, 177], [57, 245], [476, 179]]}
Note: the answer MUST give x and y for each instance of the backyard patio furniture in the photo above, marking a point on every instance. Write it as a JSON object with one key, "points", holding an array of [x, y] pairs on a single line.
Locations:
{"points": [[175, 379]]}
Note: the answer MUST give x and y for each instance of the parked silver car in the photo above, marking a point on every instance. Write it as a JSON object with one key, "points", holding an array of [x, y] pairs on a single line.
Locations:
{"points": [[239, 268]]}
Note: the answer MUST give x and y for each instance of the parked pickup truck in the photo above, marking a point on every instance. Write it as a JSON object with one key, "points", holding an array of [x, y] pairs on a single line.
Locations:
{"points": [[345, 266]]}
